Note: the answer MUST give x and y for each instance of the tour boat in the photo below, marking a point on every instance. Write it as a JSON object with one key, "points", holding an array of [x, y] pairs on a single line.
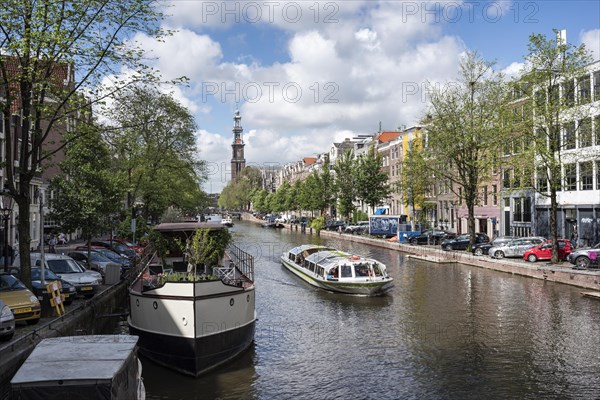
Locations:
{"points": [[193, 318], [337, 271], [227, 221]]}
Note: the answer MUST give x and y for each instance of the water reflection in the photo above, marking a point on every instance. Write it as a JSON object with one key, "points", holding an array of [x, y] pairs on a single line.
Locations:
{"points": [[443, 331]]}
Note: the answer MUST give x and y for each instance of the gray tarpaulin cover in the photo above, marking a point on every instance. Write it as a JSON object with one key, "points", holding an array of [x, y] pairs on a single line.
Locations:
{"points": [[79, 367]]}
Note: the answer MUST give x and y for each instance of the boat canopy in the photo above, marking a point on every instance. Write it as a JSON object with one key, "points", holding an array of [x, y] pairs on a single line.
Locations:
{"points": [[298, 250]]}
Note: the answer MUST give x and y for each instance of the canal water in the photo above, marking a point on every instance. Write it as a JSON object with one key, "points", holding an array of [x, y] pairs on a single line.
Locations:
{"points": [[442, 332]]}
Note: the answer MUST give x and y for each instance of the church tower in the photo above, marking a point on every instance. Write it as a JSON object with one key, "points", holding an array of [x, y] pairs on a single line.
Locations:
{"points": [[238, 163]]}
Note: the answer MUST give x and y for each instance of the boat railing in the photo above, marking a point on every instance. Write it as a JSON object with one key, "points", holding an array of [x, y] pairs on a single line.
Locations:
{"points": [[243, 262]]}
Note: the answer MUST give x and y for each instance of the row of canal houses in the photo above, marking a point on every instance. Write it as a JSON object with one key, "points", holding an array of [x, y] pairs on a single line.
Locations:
{"points": [[501, 210]]}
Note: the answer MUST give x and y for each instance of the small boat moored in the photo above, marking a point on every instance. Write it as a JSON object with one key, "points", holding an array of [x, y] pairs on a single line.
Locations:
{"points": [[227, 221], [81, 367], [337, 271]]}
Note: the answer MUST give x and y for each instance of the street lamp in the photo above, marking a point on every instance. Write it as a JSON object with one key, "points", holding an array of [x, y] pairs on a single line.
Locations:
{"points": [[6, 208]]}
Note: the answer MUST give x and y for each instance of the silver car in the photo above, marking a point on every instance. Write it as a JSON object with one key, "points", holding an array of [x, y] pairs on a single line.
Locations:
{"points": [[7, 322], [515, 248], [581, 257]]}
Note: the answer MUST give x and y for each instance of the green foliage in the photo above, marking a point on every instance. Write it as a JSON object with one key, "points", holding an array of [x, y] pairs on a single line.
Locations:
{"points": [[371, 183], [184, 277], [318, 223], [327, 192], [548, 97], [467, 129], [156, 148], [90, 192], [123, 228], [259, 200], [344, 183], [239, 193], [158, 243], [208, 246], [359, 215], [415, 177]]}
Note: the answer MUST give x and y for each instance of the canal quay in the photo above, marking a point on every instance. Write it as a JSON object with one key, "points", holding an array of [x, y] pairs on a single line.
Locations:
{"points": [[448, 329]]}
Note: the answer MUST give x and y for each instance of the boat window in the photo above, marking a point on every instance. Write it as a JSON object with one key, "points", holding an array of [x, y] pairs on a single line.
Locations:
{"points": [[334, 272], [312, 267], [377, 269], [320, 271], [361, 269], [346, 271]]}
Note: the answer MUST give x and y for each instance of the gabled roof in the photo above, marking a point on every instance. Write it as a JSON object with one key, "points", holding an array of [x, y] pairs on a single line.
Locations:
{"points": [[385, 137], [309, 160]]}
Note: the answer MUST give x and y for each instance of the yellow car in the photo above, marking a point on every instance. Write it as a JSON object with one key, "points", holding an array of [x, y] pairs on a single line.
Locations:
{"points": [[23, 304]]}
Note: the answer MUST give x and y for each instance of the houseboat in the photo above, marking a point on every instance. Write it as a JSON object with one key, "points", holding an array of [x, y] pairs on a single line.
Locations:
{"points": [[193, 315], [81, 367], [337, 271]]}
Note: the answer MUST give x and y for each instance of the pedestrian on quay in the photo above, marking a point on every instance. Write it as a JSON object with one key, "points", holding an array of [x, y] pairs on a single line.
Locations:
{"points": [[52, 243]]}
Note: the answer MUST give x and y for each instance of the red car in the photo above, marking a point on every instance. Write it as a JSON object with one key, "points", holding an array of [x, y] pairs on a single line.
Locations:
{"points": [[543, 251], [139, 250]]}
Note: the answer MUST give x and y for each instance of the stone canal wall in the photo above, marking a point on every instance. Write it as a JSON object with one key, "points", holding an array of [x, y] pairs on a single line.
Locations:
{"points": [[561, 273], [92, 316]]}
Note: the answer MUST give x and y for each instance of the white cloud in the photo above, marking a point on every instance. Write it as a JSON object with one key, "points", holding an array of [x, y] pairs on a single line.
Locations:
{"points": [[513, 70], [591, 39], [368, 63]]}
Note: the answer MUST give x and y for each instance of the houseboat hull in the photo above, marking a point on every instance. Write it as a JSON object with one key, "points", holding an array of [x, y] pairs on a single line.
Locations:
{"points": [[363, 288], [193, 327]]}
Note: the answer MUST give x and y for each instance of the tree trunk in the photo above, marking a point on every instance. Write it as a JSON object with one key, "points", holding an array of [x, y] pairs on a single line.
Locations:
{"points": [[554, 225], [25, 238], [471, 222]]}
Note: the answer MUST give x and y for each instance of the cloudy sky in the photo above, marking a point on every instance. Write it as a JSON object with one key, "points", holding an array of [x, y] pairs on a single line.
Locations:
{"points": [[305, 73]]}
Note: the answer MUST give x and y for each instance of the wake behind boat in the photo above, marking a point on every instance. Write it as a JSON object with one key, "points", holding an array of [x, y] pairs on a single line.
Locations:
{"points": [[192, 306], [337, 271]]}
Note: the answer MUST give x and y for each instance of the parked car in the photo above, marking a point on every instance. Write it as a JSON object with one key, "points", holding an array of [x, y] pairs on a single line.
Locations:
{"points": [[584, 258], [461, 242], [24, 305], [139, 250], [516, 247], [543, 251], [7, 321], [97, 262], [431, 236], [68, 290], [123, 261], [116, 247], [66, 268], [480, 249], [335, 225], [359, 228]]}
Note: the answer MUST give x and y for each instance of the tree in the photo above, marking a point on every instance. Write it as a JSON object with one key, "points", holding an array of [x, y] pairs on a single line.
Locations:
{"points": [[238, 193], [415, 178], [89, 192], [548, 85], [312, 193], [344, 184], [42, 43], [156, 147], [371, 183], [466, 130], [327, 188]]}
